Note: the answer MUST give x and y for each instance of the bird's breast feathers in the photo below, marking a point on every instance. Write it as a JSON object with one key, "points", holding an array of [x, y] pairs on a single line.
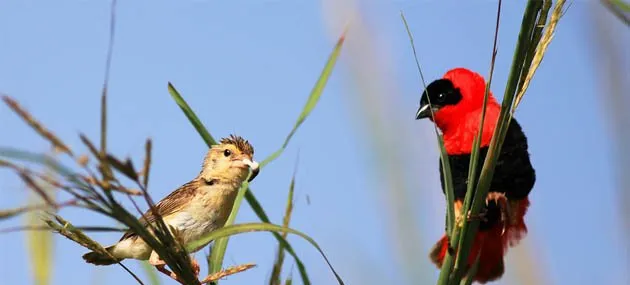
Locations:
{"points": [[205, 213]]}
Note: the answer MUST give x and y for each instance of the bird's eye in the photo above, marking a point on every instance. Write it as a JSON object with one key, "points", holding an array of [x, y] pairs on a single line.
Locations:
{"points": [[441, 97], [227, 152]]}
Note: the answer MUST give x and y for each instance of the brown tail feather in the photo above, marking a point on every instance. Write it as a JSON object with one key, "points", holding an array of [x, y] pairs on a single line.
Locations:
{"points": [[100, 259]]}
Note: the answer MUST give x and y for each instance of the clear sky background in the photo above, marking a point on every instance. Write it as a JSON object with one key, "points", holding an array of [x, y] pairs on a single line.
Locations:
{"points": [[247, 67]]}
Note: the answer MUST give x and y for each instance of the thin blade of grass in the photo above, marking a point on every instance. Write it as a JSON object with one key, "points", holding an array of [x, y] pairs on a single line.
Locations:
{"points": [[313, 98], [147, 163], [104, 167], [47, 228], [41, 159], [474, 160], [220, 245], [260, 227], [277, 267], [446, 169], [192, 117], [150, 272], [619, 8]]}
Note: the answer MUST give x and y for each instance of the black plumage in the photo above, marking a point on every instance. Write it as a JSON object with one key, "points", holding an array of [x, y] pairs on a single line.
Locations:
{"points": [[513, 174]]}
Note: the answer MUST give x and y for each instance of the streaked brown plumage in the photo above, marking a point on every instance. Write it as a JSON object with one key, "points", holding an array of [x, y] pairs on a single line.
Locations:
{"points": [[197, 207]]}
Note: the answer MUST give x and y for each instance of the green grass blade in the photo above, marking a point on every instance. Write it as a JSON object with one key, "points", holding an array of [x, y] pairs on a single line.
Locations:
{"points": [[312, 100], [619, 9], [474, 158], [277, 267], [446, 169], [257, 208], [41, 159], [258, 227], [150, 272], [451, 230], [220, 245], [192, 117]]}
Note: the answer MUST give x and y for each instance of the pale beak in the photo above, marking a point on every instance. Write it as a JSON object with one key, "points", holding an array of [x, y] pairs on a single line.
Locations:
{"points": [[425, 111], [253, 166]]}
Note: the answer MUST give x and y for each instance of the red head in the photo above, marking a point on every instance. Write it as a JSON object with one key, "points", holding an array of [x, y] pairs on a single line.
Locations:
{"points": [[453, 98]]}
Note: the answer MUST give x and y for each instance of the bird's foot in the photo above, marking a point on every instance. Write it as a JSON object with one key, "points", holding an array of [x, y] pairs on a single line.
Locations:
{"points": [[160, 265], [501, 201], [459, 219], [195, 266]]}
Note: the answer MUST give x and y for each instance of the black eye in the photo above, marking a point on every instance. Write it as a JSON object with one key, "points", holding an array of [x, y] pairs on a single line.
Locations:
{"points": [[441, 98], [227, 152]]}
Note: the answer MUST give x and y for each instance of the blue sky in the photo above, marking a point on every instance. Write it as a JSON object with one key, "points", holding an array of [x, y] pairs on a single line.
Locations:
{"points": [[247, 67]]}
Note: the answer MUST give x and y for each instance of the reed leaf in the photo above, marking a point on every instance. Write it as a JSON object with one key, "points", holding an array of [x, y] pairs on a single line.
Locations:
{"points": [[259, 227]]}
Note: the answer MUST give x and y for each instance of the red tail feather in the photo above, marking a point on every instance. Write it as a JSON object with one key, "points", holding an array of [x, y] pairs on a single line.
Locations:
{"points": [[492, 244]]}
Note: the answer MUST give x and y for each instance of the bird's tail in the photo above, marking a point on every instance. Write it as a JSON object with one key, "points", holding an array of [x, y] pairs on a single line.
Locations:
{"points": [[491, 244], [99, 258]]}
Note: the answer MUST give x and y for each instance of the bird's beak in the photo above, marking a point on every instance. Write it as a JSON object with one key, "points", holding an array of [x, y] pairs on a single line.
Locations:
{"points": [[425, 111], [253, 166]]}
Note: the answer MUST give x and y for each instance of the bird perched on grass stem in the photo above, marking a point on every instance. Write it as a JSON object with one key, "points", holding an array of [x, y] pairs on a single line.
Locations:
{"points": [[456, 103], [194, 209]]}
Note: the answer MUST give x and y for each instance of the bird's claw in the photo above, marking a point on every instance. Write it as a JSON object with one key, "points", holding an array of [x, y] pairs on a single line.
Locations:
{"points": [[459, 220], [195, 266], [504, 206], [160, 265]]}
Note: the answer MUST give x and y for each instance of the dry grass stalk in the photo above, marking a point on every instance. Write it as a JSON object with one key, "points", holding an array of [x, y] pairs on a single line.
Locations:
{"points": [[227, 272], [540, 51], [41, 130]]}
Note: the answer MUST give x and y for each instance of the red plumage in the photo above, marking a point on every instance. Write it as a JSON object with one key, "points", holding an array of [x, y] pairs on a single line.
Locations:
{"points": [[456, 104]]}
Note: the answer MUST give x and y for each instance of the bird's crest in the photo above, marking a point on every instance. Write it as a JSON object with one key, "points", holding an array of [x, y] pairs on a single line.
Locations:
{"points": [[242, 144]]}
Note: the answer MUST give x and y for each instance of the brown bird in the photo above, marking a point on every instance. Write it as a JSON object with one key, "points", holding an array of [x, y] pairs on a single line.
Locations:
{"points": [[194, 209]]}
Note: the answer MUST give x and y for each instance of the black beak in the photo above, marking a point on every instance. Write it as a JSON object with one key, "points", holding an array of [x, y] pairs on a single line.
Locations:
{"points": [[424, 112], [253, 165], [254, 174]]}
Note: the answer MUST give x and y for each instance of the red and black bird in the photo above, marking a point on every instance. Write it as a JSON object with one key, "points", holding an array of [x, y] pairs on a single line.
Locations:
{"points": [[456, 106]]}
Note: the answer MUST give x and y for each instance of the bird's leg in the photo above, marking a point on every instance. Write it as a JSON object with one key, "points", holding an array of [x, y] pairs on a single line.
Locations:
{"points": [[459, 219], [160, 265], [504, 206]]}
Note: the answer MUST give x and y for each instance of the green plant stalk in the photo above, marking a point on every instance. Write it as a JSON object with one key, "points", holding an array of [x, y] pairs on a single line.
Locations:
{"points": [[451, 230], [220, 245], [535, 37], [474, 161], [446, 169], [468, 280], [150, 272], [277, 267], [470, 227]]}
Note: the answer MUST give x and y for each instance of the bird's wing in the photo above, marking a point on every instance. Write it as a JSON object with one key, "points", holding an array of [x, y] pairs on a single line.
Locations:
{"points": [[168, 205]]}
